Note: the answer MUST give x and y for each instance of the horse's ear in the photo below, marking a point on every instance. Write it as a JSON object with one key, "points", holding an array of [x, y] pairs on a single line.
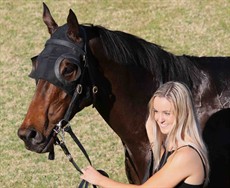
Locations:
{"points": [[48, 19], [73, 26]]}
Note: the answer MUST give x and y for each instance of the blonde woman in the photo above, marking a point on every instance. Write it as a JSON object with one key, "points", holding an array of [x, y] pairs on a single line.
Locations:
{"points": [[180, 155]]}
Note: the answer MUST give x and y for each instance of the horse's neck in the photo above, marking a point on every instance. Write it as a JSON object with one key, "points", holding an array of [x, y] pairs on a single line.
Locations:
{"points": [[128, 97], [130, 91]]}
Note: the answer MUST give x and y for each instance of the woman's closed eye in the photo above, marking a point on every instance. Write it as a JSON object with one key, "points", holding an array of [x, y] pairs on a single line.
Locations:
{"points": [[167, 113]]}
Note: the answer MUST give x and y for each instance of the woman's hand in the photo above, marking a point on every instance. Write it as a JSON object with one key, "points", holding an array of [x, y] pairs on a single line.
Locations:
{"points": [[94, 177], [91, 175]]}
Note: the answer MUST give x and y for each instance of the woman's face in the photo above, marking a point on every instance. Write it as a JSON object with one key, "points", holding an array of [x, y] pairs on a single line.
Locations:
{"points": [[163, 114]]}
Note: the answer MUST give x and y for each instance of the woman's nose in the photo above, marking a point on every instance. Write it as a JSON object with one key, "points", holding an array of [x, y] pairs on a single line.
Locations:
{"points": [[161, 118]]}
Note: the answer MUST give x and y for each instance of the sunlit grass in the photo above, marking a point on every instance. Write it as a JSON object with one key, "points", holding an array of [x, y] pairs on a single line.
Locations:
{"points": [[181, 26]]}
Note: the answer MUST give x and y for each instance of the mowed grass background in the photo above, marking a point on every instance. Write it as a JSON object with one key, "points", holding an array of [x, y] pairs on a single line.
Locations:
{"points": [[194, 27]]}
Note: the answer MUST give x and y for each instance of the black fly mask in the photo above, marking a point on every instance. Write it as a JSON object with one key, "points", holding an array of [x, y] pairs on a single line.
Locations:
{"points": [[47, 64]]}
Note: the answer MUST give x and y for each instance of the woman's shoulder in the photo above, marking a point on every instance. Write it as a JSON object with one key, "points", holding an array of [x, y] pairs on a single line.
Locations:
{"points": [[185, 155], [181, 166]]}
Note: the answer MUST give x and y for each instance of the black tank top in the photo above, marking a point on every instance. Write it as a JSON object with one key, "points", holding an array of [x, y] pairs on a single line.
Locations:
{"points": [[182, 184]]}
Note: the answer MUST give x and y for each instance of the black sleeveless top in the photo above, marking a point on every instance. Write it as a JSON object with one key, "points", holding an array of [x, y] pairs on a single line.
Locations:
{"points": [[182, 184]]}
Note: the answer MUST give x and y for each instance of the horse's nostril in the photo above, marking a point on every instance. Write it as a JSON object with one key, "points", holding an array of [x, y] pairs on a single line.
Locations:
{"points": [[30, 134], [26, 134]]}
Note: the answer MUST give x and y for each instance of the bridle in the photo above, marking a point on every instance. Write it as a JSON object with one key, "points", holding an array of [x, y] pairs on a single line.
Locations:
{"points": [[63, 125]]}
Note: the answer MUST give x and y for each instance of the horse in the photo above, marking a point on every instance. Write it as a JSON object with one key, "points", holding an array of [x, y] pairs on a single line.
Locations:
{"points": [[117, 73]]}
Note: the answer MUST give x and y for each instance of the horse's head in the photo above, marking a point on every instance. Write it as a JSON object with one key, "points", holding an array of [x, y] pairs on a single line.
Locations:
{"points": [[60, 71]]}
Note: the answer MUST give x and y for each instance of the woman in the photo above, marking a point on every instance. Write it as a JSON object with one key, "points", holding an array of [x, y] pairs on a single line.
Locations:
{"points": [[180, 155]]}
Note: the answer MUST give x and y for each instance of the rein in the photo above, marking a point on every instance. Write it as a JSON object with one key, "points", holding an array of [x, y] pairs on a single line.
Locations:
{"points": [[63, 125], [60, 130]]}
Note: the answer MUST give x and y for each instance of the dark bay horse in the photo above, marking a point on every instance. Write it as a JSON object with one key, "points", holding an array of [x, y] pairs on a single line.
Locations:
{"points": [[117, 73]]}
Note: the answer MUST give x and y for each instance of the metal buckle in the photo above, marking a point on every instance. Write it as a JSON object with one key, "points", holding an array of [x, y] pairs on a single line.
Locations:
{"points": [[79, 89], [60, 128], [95, 89]]}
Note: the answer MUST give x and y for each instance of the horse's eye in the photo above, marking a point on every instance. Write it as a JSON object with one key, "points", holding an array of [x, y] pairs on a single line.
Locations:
{"points": [[69, 69]]}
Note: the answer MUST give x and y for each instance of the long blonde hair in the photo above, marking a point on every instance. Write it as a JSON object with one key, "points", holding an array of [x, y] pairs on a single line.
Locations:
{"points": [[186, 130]]}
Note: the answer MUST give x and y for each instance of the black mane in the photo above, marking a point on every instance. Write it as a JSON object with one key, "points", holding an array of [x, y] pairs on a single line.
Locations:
{"points": [[125, 48]]}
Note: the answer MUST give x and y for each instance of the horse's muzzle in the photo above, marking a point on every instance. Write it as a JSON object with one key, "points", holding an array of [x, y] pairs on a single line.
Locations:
{"points": [[35, 141]]}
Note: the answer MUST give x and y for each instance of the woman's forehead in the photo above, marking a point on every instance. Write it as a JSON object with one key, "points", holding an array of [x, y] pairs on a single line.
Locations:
{"points": [[162, 104]]}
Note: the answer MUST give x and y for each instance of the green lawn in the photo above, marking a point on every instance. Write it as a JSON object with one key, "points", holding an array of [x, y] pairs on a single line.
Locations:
{"points": [[193, 27]]}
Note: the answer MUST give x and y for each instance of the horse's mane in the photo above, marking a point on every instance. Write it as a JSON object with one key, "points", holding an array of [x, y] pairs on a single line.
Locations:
{"points": [[125, 48]]}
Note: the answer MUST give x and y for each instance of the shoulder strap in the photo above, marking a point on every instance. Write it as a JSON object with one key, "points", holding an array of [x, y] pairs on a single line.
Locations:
{"points": [[164, 158]]}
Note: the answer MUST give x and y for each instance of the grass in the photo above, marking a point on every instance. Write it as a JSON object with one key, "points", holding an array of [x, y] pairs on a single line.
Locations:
{"points": [[181, 26]]}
